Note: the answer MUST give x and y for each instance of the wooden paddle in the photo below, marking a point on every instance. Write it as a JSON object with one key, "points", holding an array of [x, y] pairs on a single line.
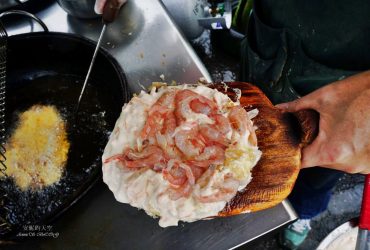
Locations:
{"points": [[281, 137]]}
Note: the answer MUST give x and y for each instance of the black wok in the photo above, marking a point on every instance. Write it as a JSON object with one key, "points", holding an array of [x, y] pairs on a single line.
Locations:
{"points": [[49, 68]]}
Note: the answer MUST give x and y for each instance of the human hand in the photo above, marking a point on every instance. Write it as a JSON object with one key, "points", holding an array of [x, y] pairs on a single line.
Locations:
{"points": [[343, 142], [99, 5]]}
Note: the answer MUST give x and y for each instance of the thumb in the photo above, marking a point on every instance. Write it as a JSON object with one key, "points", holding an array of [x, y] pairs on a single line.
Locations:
{"points": [[306, 102]]}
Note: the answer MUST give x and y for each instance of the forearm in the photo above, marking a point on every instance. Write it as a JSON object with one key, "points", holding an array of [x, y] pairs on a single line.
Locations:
{"points": [[355, 83], [361, 117]]}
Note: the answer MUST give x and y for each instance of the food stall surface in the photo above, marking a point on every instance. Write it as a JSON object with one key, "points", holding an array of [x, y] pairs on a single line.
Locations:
{"points": [[147, 44]]}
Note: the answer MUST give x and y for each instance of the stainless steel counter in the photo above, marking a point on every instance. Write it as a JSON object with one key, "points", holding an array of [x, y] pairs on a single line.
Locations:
{"points": [[98, 221], [147, 44], [143, 39]]}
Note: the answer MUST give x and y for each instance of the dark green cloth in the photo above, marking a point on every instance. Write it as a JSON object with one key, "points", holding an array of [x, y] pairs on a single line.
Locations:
{"points": [[295, 47]]}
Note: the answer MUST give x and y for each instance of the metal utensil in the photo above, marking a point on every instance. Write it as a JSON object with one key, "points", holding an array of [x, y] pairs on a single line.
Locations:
{"points": [[90, 67], [110, 13], [4, 225], [363, 238], [3, 50]]}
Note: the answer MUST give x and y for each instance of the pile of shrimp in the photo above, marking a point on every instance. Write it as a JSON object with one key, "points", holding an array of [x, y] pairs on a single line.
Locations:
{"points": [[183, 149]]}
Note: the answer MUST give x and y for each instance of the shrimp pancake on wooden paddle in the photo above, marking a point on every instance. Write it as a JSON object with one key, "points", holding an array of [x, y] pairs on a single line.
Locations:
{"points": [[181, 153]]}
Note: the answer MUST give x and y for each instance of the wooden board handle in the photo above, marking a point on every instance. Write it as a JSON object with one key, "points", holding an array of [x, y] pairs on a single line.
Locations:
{"points": [[309, 121], [280, 136]]}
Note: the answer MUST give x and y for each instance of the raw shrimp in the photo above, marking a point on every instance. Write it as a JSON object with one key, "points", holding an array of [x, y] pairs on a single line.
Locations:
{"points": [[160, 116], [169, 124], [174, 174], [181, 178], [151, 156], [238, 118], [203, 105], [177, 173], [153, 123], [240, 122], [188, 102], [212, 155], [145, 153], [218, 131], [167, 143], [213, 135], [190, 142], [197, 171], [222, 123]]}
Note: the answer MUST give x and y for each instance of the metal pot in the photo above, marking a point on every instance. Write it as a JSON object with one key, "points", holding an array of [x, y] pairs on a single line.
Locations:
{"points": [[79, 8]]}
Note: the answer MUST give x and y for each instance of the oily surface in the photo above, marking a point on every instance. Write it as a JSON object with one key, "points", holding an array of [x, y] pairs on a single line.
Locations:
{"points": [[279, 139]]}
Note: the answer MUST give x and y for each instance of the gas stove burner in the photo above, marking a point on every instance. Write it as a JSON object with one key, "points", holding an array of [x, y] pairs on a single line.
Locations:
{"points": [[29, 5]]}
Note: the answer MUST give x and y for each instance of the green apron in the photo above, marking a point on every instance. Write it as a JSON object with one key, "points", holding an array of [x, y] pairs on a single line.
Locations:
{"points": [[294, 47]]}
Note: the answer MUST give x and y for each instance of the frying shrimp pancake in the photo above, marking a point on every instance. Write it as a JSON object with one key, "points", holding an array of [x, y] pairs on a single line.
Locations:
{"points": [[37, 150], [180, 153]]}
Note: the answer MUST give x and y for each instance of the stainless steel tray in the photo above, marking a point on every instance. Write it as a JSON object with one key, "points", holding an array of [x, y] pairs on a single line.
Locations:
{"points": [[98, 221]]}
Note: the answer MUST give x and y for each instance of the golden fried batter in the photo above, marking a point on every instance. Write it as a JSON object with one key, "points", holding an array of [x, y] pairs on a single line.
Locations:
{"points": [[38, 148]]}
